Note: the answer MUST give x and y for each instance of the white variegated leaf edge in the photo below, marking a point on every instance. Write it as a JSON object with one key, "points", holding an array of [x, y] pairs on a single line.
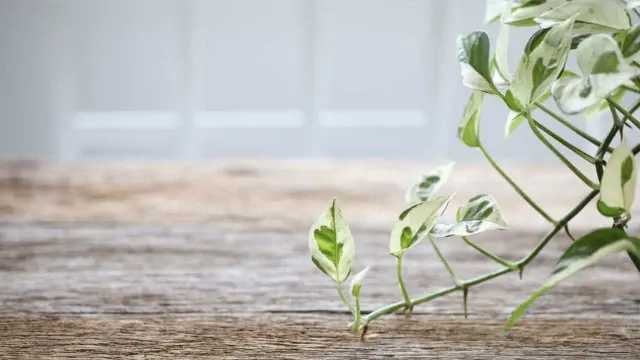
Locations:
{"points": [[343, 234], [356, 282], [444, 172], [633, 4], [611, 194], [460, 227], [429, 211], [624, 244]]}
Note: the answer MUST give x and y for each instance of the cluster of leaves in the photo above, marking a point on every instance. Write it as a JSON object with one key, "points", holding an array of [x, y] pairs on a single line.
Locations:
{"points": [[605, 42]]}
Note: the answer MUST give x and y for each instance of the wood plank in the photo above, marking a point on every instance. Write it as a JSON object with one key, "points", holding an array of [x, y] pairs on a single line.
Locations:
{"points": [[278, 195], [282, 336], [108, 280]]}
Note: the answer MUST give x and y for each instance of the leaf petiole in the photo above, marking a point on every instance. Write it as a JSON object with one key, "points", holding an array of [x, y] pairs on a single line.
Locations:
{"points": [[344, 300], [456, 280], [571, 127], [516, 187], [488, 254], [557, 153], [403, 289]]}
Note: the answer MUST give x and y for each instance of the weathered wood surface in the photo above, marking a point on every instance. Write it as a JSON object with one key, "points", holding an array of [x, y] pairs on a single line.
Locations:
{"points": [[212, 262]]}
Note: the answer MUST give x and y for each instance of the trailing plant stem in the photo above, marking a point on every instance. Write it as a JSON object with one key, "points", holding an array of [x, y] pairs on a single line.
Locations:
{"points": [[516, 187], [391, 308], [403, 289]]}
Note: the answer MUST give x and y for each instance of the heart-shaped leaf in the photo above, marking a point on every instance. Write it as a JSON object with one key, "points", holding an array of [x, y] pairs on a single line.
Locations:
{"points": [[618, 186], [604, 70], [473, 56], [583, 253], [468, 129], [543, 62], [524, 14], [356, 282], [332, 245], [480, 213], [431, 182], [414, 224], [593, 16]]}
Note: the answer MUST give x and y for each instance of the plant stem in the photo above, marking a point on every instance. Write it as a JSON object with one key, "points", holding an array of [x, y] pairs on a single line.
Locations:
{"points": [[391, 308], [456, 280], [403, 289], [559, 155], [344, 300], [356, 321], [572, 127], [516, 187], [567, 144], [565, 220], [624, 112], [491, 256]]}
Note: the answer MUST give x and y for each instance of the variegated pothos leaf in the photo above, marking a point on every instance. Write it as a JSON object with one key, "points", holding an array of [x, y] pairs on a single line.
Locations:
{"points": [[603, 71], [430, 183], [414, 224], [593, 16], [584, 252], [474, 57], [468, 129], [479, 214], [523, 14], [331, 244], [543, 62], [356, 282], [618, 186]]}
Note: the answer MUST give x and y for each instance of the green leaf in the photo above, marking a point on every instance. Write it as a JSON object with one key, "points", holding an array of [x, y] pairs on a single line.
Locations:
{"points": [[479, 214], [618, 186], [604, 70], [356, 282], [473, 56], [523, 15], [630, 44], [468, 129], [331, 243], [583, 253], [593, 16], [542, 63], [430, 183], [414, 224]]}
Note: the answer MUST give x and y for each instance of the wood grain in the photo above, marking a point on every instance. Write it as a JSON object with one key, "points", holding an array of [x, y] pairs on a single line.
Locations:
{"points": [[108, 280]]}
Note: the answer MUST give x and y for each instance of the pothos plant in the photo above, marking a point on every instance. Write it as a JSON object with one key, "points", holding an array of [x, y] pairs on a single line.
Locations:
{"points": [[600, 34]]}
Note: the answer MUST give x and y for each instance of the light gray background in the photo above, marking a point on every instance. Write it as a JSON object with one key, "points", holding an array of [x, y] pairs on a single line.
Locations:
{"points": [[193, 80]]}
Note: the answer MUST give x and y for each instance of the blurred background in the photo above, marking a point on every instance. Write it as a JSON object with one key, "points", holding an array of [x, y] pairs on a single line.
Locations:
{"points": [[197, 80]]}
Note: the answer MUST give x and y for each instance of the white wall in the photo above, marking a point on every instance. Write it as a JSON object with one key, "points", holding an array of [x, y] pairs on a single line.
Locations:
{"points": [[198, 79]]}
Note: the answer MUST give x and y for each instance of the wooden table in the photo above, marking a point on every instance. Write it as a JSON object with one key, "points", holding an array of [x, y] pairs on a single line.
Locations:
{"points": [[211, 261]]}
